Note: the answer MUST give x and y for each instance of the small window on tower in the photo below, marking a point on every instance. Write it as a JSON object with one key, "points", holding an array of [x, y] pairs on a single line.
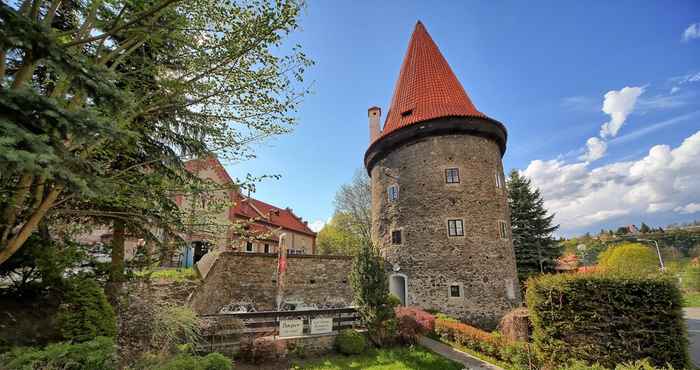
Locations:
{"points": [[455, 227], [393, 192], [249, 247], [502, 229], [455, 291], [267, 248], [452, 175], [396, 237]]}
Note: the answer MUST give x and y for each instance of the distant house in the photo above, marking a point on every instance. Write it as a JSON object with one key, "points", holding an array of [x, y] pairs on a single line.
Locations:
{"points": [[567, 263], [243, 224]]}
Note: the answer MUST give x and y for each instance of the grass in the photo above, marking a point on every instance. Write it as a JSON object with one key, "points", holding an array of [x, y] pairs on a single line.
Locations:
{"points": [[691, 299], [399, 358], [172, 274]]}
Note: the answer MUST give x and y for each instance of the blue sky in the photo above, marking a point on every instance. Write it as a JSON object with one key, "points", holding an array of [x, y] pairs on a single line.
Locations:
{"points": [[542, 69]]}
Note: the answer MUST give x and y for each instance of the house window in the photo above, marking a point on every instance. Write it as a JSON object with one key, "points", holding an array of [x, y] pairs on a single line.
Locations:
{"points": [[452, 175], [396, 237], [267, 248], [499, 179], [393, 192], [249, 247], [502, 229], [455, 291], [455, 227]]}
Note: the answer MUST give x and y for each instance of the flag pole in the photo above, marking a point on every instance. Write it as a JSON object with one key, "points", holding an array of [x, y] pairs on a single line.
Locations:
{"points": [[281, 268]]}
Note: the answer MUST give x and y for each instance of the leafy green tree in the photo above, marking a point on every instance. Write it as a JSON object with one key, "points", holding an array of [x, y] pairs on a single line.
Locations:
{"points": [[370, 285], [354, 200], [337, 238], [629, 258], [644, 228], [101, 101], [536, 250]]}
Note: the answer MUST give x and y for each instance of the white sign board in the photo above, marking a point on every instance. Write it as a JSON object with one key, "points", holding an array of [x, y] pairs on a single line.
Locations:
{"points": [[321, 325], [291, 328]]}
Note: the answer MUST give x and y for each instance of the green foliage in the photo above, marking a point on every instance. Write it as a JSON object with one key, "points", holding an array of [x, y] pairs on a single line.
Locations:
{"points": [[536, 250], [609, 319], [175, 325], [337, 238], [371, 292], [40, 264], [691, 300], [84, 312], [185, 361], [172, 274], [636, 365], [350, 342], [691, 278], [629, 258], [396, 358], [96, 354]]}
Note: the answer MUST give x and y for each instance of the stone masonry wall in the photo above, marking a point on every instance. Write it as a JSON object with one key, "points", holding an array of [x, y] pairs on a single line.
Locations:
{"points": [[480, 262], [322, 281]]}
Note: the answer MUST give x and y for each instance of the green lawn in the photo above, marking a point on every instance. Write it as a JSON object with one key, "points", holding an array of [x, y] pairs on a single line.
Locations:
{"points": [[691, 300], [385, 359], [171, 274]]}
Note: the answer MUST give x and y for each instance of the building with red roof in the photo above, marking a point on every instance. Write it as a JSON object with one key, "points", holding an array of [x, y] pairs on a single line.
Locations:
{"points": [[240, 222]]}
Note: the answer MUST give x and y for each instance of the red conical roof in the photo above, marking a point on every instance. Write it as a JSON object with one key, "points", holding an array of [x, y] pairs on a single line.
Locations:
{"points": [[427, 88]]}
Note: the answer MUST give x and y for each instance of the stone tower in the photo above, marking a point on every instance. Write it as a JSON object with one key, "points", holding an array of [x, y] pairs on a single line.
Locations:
{"points": [[439, 205]]}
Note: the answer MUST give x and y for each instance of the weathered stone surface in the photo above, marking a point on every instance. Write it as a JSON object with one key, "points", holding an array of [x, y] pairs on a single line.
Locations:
{"points": [[481, 262], [320, 281]]}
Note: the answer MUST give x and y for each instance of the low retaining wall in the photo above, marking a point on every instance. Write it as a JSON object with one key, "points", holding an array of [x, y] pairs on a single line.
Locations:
{"points": [[249, 278]]}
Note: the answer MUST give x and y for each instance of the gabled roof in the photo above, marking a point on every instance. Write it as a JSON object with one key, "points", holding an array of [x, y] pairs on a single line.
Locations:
{"points": [[426, 88], [196, 165], [251, 208]]}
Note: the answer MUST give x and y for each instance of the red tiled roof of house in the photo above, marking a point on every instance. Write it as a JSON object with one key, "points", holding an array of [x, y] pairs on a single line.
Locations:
{"points": [[427, 88], [252, 208]]}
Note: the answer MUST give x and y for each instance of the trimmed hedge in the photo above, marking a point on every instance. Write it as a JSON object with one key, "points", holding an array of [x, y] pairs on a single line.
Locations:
{"points": [[490, 344], [608, 319], [350, 342], [97, 354]]}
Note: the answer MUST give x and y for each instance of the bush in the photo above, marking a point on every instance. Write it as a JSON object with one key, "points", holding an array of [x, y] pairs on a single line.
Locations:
{"points": [[691, 278], [629, 259], [490, 344], [84, 312], [607, 319], [350, 342], [184, 361], [175, 325], [97, 354], [258, 350], [423, 318]]}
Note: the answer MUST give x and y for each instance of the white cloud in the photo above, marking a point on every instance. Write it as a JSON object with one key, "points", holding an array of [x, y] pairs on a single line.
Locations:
{"points": [[317, 225], [674, 89], [618, 104], [595, 149], [666, 179], [689, 208], [692, 32]]}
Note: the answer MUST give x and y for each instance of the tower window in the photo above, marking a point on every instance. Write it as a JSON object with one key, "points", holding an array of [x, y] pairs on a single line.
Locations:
{"points": [[455, 291], [393, 192], [502, 229], [396, 237], [452, 175], [267, 248], [499, 179], [455, 227], [249, 247]]}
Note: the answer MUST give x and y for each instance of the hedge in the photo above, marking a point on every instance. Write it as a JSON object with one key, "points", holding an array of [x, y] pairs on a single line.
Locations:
{"points": [[608, 319]]}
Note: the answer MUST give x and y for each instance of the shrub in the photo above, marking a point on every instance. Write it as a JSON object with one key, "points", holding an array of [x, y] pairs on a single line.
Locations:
{"points": [[175, 325], [490, 344], [629, 259], [97, 354], [607, 319], [258, 350], [350, 342], [408, 330], [84, 312], [691, 278], [185, 361], [423, 318]]}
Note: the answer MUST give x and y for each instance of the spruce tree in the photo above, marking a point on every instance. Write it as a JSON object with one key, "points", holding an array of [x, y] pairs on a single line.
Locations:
{"points": [[536, 250]]}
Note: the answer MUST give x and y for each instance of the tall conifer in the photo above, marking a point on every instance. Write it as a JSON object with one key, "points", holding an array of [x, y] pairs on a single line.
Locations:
{"points": [[536, 250]]}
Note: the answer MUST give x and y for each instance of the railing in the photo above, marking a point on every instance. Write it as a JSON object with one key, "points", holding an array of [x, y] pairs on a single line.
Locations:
{"points": [[226, 329]]}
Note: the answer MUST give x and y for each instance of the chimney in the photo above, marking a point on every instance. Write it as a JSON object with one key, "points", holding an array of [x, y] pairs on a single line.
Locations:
{"points": [[374, 114]]}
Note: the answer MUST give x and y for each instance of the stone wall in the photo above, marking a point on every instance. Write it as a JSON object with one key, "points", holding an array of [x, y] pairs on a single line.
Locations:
{"points": [[321, 281], [481, 263]]}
